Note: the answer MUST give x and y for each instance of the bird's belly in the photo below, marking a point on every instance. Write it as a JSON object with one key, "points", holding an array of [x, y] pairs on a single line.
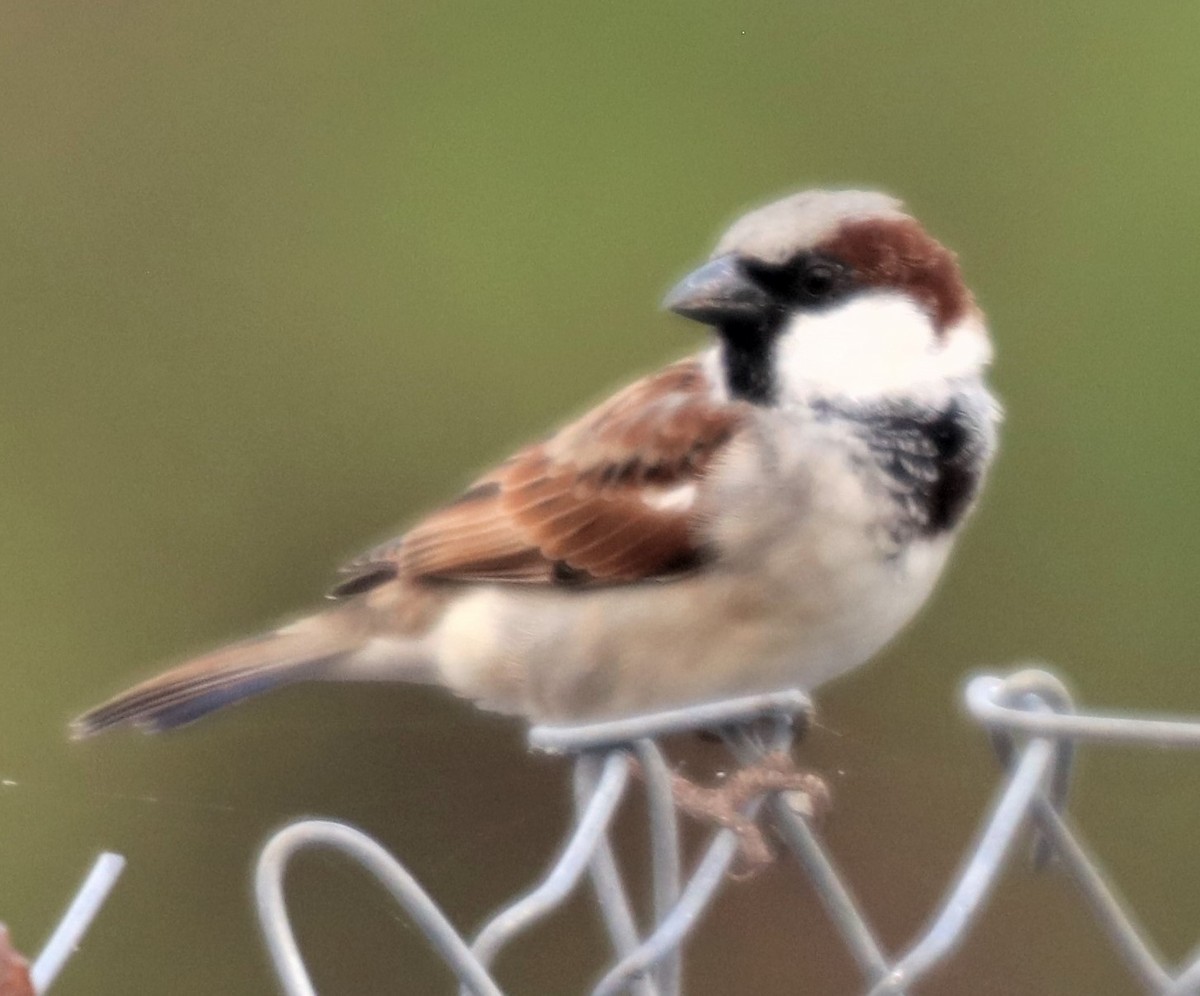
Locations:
{"points": [[808, 609]]}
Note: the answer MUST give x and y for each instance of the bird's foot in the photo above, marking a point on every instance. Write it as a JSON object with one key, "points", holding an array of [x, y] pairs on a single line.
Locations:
{"points": [[723, 805]]}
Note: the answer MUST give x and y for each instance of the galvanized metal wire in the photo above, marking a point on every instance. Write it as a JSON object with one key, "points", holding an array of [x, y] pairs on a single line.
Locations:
{"points": [[65, 939], [1032, 722]]}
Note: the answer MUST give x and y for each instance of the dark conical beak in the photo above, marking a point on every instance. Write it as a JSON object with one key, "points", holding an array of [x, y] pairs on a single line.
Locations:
{"points": [[718, 293]]}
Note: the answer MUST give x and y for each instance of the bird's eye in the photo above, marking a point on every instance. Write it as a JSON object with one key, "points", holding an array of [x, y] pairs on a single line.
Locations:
{"points": [[807, 280], [818, 280]]}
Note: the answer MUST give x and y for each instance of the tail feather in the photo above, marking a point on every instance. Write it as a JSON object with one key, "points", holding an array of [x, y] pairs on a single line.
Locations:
{"points": [[225, 676]]}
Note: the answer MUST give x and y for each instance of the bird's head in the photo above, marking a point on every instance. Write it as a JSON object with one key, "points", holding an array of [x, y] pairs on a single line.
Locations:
{"points": [[838, 294]]}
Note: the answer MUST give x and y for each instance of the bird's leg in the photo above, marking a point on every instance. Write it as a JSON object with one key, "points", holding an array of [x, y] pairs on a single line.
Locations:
{"points": [[723, 805]]}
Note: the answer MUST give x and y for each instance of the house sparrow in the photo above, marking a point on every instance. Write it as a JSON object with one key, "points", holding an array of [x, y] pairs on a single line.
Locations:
{"points": [[765, 514]]}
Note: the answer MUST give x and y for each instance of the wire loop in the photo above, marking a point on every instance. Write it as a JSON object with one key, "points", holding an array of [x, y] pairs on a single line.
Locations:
{"points": [[1029, 715]]}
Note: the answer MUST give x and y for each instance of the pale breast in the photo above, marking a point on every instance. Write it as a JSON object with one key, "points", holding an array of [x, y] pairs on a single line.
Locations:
{"points": [[812, 575]]}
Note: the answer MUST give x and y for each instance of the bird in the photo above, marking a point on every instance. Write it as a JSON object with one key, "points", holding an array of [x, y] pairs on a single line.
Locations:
{"points": [[764, 514]]}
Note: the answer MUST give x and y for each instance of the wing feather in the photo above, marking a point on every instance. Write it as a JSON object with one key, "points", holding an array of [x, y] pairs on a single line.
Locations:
{"points": [[587, 506]]}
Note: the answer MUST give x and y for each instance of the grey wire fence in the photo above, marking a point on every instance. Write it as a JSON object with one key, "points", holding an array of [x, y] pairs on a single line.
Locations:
{"points": [[1032, 722]]}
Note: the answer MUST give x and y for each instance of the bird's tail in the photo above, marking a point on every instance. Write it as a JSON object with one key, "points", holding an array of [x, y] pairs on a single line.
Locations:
{"points": [[305, 649]]}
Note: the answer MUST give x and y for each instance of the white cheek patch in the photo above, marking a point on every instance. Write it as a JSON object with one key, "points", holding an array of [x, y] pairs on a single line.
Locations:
{"points": [[877, 344]]}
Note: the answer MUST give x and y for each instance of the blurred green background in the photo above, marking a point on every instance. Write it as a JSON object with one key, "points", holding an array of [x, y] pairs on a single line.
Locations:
{"points": [[276, 277]]}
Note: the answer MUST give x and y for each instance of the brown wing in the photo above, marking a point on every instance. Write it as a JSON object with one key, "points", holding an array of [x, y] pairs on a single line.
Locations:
{"points": [[609, 499]]}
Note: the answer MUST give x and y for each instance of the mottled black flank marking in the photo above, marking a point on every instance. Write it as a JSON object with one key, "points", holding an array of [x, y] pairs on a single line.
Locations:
{"points": [[959, 471], [370, 578], [480, 492], [564, 574], [933, 460], [688, 561]]}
